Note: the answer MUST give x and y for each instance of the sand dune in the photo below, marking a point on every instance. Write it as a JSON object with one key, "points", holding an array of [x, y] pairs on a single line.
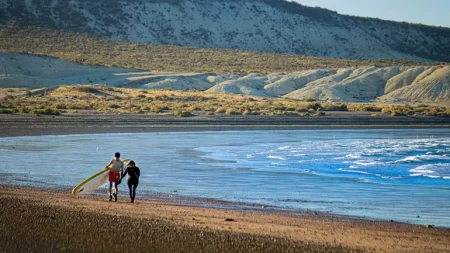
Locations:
{"points": [[294, 81], [403, 84], [252, 84], [31, 71], [434, 88]]}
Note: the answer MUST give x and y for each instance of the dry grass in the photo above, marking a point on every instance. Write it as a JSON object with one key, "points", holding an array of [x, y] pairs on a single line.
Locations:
{"points": [[83, 48], [103, 99]]}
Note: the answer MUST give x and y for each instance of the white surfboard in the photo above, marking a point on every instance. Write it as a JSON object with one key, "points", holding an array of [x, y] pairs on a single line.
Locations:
{"points": [[93, 182]]}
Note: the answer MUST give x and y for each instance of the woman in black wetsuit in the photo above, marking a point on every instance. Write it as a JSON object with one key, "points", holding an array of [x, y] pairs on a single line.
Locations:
{"points": [[133, 178]]}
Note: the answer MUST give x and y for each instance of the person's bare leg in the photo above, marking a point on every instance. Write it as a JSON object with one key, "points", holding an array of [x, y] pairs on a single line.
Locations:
{"points": [[110, 191], [116, 190]]}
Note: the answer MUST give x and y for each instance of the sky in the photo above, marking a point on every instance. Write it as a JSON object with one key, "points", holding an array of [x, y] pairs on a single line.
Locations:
{"points": [[427, 12]]}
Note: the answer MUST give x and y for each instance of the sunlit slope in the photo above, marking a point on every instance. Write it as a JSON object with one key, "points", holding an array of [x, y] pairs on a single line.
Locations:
{"points": [[405, 84], [86, 49], [253, 25], [431, 88]]}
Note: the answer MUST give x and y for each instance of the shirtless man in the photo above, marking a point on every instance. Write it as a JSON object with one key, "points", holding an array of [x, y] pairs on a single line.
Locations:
{"points": [[114, 175]]}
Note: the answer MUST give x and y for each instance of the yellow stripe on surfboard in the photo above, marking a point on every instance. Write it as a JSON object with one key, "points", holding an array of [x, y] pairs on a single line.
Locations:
{"points": [[79, 187]]}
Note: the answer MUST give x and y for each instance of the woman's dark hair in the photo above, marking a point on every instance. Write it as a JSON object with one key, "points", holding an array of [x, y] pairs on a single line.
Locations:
{"points": [[117, 154], [131, 162]]}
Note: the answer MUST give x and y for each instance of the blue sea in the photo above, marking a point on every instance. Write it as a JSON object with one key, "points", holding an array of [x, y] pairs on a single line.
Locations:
{"points": [[382, 174]]}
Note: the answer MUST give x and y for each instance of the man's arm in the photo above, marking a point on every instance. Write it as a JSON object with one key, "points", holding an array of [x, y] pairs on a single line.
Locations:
{"points": [[110, 162]]}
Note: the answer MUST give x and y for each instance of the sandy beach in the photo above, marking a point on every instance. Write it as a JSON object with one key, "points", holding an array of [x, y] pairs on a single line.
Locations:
{"points": [[55, 221], [49, 220]]}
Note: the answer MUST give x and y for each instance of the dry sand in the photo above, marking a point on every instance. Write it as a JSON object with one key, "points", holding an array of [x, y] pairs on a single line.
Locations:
{"points": [[36, 220], [42, 220]]}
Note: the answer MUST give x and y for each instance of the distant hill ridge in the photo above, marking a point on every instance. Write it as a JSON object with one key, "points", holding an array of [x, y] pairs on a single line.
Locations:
{"points": [[274, 26]]}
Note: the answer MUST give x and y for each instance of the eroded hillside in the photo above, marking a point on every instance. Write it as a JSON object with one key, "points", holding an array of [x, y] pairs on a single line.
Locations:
{"points": [[403, 84]]}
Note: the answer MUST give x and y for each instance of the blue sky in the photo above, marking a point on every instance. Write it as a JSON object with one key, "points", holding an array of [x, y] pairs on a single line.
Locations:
{"points": [[428, 12]]}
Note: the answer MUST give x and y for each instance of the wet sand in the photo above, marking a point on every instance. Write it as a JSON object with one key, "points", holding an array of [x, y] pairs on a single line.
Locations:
{"points": [[43, 220], [28, 124]]}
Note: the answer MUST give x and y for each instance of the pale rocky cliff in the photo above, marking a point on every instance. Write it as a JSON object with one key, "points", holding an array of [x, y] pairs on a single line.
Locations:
{"points": [[259, 25]]}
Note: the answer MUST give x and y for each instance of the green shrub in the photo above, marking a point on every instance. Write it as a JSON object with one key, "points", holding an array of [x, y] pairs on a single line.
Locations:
{"points": [[302, 109], [87, 89], [6, 111], [221, 110], [21, 109], [232, 112], [396, 113], [314, 106], [159, 108], [193, 108], [47, 111], [334, 107], [61, 106], [180, 113], [319, 113]]}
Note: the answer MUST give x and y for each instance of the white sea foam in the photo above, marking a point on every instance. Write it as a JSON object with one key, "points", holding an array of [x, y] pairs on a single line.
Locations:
{"points": [[422, 170], [409, 159], [311, 160], [368, 163], [276, 157], [421, 158], [355, 171], [279, 164], [440, 170]]}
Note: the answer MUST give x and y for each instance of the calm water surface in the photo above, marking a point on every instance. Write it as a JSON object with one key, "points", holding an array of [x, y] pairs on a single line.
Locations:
{"points": [[398, 174]]}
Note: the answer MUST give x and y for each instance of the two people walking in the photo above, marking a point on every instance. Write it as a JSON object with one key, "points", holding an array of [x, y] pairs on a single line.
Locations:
{"points": [[117, 173]]}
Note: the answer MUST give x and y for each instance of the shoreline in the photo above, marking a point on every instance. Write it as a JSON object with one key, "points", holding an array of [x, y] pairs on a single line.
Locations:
{"points": [[35, 125], [188, 227], [169, 226]]}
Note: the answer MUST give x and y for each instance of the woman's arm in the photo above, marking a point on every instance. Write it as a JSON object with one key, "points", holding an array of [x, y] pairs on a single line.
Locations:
{"points": [[124, 173]]}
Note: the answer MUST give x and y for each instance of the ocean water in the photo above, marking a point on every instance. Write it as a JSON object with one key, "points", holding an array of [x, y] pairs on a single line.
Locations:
{"points": [[388, 174]]}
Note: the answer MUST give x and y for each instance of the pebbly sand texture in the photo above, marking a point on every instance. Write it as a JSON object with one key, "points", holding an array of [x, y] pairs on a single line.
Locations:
{"points": [[38, 220], [43, 220]]}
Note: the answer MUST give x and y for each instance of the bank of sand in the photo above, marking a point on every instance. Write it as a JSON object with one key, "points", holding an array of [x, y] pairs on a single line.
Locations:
{"points": [[29, 124], [38, 220]]}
